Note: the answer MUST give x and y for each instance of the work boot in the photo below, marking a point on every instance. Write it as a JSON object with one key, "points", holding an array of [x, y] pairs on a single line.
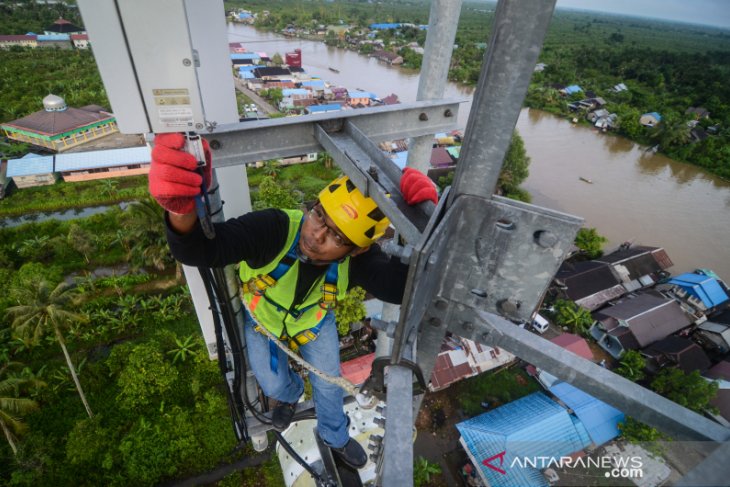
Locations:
{"points": [[351, 454], [282, 415]]}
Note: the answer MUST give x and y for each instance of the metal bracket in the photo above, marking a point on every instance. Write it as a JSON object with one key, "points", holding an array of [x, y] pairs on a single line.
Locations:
{"points": [[375, 384], [505, 255]]}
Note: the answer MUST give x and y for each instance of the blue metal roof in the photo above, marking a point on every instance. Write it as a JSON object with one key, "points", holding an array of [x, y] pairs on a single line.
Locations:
{"points": [[360, 94], [331, 107], [533, 426], [247, 67], [294, 91], [600, 420], [54, 37], [244, 15], [78, 161], [573, 89], [245, 55], [30, 165], [454, 151], [314, 83], [655, 115], [384, 26], [246, 75], [705, 288]]}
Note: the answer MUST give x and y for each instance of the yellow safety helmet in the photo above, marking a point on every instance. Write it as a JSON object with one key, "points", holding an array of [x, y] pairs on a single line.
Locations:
{"points": [[356, 215]]}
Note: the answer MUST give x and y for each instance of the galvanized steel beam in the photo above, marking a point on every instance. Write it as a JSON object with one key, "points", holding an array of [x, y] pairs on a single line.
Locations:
{"points": [[714, 470], [630, 398], [515, 43], [442, 23], [246, 142], [397, 465]]}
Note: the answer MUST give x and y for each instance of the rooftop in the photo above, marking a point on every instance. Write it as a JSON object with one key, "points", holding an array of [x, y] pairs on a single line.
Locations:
{"points": [[53, 123], [531, 426], [600, 420], [705, 288]]}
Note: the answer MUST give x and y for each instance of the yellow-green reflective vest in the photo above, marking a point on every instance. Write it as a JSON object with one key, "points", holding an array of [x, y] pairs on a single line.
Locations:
{"points": [[284, 317]]}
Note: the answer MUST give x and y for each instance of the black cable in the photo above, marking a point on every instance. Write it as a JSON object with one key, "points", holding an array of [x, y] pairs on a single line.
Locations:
{"points": [[239, 362], [224, 311], [239, 426], [317, 477]]}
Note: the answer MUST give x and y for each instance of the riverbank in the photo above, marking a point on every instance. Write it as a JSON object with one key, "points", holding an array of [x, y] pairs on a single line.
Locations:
{"points": [[704, 148], [64, 196]]}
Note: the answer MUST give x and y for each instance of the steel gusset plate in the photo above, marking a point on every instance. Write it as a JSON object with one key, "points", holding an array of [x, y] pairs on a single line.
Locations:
{"points": [[499, 255]]}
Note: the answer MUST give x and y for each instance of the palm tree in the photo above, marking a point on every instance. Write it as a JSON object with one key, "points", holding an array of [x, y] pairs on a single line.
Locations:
{"points": [[185, 348], [11, 406], [108, 187], [672, 133], [47, 309], [326, 160], [271, 168], [144, 223]]}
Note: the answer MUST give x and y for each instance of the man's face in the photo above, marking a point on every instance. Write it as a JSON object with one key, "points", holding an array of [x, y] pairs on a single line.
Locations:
{"points": [[321, 240]]}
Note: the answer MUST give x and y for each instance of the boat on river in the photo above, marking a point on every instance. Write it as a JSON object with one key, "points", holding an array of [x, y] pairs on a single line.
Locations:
{"points": [[589, 181], [334, 70]]}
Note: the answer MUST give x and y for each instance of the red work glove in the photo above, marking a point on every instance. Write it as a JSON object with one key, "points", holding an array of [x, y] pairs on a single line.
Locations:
{"points": [[173, 180], [417, 187]]}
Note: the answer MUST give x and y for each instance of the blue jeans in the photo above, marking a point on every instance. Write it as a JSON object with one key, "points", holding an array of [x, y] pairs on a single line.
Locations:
{"points": [[285, 385]]}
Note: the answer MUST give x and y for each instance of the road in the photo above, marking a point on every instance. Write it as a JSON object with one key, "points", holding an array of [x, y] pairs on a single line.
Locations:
{"points": [[263, 105]]}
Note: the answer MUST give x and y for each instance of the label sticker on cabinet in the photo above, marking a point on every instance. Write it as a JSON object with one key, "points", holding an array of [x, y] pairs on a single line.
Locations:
{"points": [[176, 116]]}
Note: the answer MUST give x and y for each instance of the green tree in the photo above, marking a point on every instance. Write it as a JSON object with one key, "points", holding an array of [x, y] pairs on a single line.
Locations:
{"points": [[185, 348], [513, 173], [36, 248], [48, 309], [109, 187], [326, 160], [271, 194], [515, 168], [350, 310], [569, 314], [632, 365], [276, 59], [81, 240], [635, 431], [423, 470], [13, 407], [672, 133], [145, 226], [689, 390], [271, 168], [275, 95], [590, 242], [145, 377]]}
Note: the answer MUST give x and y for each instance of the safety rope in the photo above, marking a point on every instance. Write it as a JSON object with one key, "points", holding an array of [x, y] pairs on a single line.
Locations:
{"points": [[341, 382]]}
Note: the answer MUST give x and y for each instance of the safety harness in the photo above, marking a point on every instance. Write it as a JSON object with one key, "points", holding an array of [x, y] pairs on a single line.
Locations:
{"points": [[328, 301]]}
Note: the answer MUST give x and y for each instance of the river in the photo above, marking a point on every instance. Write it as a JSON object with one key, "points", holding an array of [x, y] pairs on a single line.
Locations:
{"points": [[647, 199]]}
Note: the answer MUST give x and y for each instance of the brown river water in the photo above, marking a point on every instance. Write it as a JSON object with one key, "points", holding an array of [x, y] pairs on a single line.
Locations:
{"points": [[635, 196]]}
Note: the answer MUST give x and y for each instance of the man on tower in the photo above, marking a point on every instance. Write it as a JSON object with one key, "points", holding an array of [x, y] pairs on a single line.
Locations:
{"points": [[294, 267]]}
